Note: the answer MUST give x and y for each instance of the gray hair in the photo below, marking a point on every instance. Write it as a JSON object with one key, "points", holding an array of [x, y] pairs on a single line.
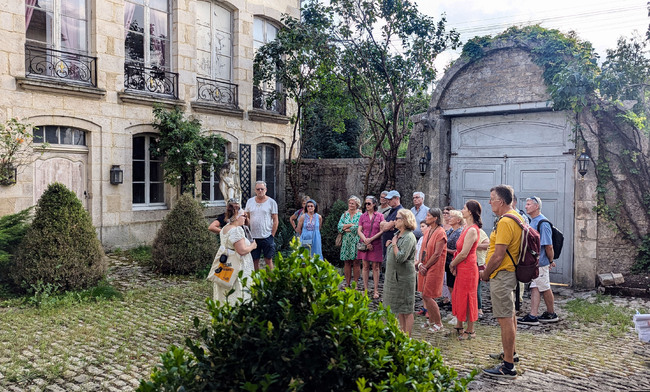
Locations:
{"points": [[356, 200], [260, 182], [537, 201], [383, 193], [421, 194]]}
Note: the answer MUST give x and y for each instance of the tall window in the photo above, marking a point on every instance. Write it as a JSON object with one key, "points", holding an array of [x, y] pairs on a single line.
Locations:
{"points": [[57, 24], [214, 41], [263, 33], [146, 33], [266, 167], [148, 186]]}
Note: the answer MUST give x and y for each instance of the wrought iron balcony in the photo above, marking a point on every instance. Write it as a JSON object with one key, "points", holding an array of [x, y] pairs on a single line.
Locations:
{"points": [[222, 93], [57, 64], [264, 100], [151, 80]]}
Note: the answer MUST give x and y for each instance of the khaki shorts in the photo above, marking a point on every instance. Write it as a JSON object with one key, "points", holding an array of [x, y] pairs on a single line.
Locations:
{"points": [[502, 294], [543, 281]]}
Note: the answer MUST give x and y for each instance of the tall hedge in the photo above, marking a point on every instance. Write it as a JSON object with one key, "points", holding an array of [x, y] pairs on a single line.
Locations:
{"points": [[183, 244], [330, 231], [61, 247], [299, 332]]}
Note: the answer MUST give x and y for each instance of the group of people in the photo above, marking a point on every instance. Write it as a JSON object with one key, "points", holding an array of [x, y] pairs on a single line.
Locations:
{"points": [[440, 253]]}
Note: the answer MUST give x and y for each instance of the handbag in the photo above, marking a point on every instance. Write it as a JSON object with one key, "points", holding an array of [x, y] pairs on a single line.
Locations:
{"points": [[225, 268], [339, 240], [362, 245]]}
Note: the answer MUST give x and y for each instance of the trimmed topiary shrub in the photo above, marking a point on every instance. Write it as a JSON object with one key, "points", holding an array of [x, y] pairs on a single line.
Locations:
{"points": [[61, 249], [183, 244], [299, 332], [330, 231]]}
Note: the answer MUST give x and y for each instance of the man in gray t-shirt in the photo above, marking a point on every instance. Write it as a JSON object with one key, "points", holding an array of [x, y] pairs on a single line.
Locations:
{"points": [[262, 212]]}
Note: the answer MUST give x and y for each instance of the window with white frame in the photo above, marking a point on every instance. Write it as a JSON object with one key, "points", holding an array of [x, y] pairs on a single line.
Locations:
{"points": [[266, 168], [148, 184], [214, 26], [57, 24], [264, 32], [146, 33], [210, 183], [53, 134]]}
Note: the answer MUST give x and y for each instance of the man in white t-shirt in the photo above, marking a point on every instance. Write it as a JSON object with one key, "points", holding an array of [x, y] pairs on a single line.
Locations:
{"points": [[262, 212]]}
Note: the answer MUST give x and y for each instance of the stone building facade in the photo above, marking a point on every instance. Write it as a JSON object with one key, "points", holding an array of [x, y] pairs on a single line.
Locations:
{"points": [[87, 74]]}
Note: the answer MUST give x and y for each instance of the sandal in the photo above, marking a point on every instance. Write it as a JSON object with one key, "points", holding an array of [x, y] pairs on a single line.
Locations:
{"points": [[435, 328], [467, 335], [459, 330], [375, 296]]}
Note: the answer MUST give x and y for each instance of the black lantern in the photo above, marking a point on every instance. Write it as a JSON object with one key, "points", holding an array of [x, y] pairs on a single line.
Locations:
{"points": [[583, 159], [117, 175], [424, 160]]}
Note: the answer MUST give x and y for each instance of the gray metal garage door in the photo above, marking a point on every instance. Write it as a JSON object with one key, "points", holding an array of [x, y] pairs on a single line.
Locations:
{"points": [[530, 151]]}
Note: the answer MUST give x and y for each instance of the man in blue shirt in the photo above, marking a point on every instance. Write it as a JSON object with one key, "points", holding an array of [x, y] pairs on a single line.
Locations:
{"points": [[388, 225], [420, 212], [542, 284]]}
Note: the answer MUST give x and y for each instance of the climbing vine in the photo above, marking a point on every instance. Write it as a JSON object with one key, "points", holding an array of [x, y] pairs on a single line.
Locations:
{"points": [[615, 94]]}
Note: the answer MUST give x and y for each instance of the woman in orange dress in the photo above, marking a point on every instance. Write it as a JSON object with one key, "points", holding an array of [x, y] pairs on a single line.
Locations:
{"points": [[463, 298], [431, 267]]}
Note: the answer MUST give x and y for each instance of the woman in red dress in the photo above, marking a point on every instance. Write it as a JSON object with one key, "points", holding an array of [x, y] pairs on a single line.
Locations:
{"points": [[463, 266]]}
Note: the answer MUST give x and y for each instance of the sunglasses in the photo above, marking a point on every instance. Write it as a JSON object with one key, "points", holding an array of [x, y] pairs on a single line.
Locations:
{"points": [[368, 204], [259, 189]]}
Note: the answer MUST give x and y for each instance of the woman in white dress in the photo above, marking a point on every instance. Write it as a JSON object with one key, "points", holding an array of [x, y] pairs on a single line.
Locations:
{"points": [[235, 244]]}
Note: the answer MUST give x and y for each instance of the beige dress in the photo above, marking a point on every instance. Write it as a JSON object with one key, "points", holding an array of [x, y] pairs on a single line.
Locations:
{"points": [[228, 241]]}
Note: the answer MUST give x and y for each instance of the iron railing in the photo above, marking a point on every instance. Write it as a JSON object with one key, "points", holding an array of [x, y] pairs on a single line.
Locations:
{"points": [[57, 64], [222, 93], [264, 100], [151, 80]]}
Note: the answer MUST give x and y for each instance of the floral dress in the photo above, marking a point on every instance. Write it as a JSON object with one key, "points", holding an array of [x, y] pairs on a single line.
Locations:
{"points": [[351, 238]]}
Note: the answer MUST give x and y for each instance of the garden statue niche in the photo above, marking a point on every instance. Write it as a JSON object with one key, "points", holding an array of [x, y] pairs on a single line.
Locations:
{"points": [[229, 179]]}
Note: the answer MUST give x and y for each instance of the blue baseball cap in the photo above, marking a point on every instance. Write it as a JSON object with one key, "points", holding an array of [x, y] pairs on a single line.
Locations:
{"points": [[392, 194]]}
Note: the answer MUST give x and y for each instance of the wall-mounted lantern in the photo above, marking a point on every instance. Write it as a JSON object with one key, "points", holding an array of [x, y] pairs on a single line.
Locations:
{"points": [[583, 159], [117, 175], [424, 160]]}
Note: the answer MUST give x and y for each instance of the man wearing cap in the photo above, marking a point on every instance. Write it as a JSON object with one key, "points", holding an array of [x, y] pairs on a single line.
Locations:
{"points": [[420, 212], [388, 225], [543, 283]]}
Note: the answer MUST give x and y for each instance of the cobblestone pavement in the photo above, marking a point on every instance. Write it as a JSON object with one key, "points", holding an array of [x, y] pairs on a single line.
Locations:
{"points": [[110, 346]]}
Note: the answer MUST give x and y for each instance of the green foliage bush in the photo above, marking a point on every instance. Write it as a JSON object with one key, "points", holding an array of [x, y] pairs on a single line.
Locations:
{"points": [[330, 231], [12, 230], [299, 332], [183, 244], [61, 247]]}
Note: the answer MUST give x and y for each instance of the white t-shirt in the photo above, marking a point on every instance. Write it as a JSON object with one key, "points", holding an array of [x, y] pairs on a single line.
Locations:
{"points": [[261, 216]]}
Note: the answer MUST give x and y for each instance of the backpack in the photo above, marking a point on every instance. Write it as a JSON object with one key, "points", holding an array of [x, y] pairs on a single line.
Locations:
{"points": [[527, 265], [556, 236]]}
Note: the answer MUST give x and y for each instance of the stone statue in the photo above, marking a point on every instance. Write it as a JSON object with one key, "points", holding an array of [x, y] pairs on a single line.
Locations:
{"points": [[229, 179]]}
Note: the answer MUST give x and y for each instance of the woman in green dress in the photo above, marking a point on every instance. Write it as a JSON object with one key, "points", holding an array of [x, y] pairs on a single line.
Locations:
{"points": [[399, 281], [348, 225]]}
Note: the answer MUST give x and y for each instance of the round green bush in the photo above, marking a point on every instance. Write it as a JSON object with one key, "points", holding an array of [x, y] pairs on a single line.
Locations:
{"points": [[300, 333], [61, 247], [183, 244], [330, 231]]}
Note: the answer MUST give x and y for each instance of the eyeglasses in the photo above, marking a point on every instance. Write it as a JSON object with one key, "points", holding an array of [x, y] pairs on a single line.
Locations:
{"points": [[445, 213], [399, 218], [368, 204]]}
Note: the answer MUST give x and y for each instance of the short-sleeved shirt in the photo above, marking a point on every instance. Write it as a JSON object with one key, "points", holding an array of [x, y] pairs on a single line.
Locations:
{"points": [[388, 235], [545, 238], [419, 217], [507, 233], [261, 217], [480, 254]]}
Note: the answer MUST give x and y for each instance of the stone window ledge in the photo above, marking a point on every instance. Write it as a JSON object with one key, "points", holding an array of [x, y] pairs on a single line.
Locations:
{"points": [[212, 108], [59, 87], [266, 116], [148, 99]]}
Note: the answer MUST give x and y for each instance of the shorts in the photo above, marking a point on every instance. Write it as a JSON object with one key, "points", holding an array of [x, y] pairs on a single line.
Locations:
{"points": [[265, 246], [502, 294], [543, 281]]}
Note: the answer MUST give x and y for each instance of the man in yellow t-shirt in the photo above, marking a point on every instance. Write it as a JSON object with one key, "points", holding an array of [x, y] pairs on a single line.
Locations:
{"points": [[500, 271]]}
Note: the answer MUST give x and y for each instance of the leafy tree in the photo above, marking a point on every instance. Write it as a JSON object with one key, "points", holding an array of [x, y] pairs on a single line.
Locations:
{"points": [[299, 332], [387, 49], [60, 249], [184, 147], [13, 228], [298, 59], [183, 244]]}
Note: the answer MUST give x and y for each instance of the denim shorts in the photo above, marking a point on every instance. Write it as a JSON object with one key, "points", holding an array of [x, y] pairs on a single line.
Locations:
{"points": [[265, 246]]}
